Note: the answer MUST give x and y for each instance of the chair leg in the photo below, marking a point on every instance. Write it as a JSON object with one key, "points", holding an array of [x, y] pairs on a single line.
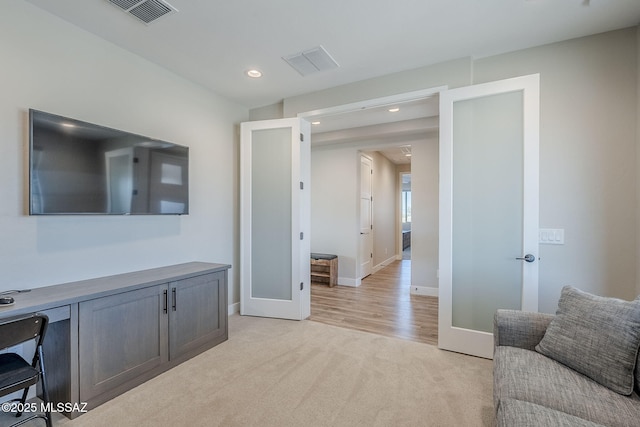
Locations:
{"points": [[45, 388], [22, 401]]}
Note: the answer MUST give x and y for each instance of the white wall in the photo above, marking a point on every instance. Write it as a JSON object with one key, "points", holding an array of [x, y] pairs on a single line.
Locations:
{"points": [[273, 111], [385, 197], [334, 204], [424, 213], [453, 73], [49, 65]]}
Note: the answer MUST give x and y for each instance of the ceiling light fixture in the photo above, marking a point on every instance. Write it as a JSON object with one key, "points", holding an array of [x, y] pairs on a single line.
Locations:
{"points": [[315, 123], [394, 109], [254, 74], [68, 125]]}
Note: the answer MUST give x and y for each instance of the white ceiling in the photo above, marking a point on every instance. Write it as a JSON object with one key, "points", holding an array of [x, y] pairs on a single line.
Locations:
{"points": [[214, 42]]}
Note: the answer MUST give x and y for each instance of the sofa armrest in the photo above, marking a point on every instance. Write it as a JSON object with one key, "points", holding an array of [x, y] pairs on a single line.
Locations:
{"points": [[517, 328]]}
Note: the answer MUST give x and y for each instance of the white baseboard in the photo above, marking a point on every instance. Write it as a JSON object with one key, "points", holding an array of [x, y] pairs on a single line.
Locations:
{"points": [[234, 308], [424, 290], [383, 264]]}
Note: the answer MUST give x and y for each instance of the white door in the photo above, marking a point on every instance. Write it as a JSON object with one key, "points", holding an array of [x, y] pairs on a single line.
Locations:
{"points": [[488, 209], [366, 223], [275, 219]]}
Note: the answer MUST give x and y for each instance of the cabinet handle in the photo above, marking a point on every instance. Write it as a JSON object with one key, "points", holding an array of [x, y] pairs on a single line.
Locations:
{"points": [[166, 301], [175, 302]]}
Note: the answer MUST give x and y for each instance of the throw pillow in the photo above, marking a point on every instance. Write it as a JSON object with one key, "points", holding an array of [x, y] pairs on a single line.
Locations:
{"points": [[596, 336]]}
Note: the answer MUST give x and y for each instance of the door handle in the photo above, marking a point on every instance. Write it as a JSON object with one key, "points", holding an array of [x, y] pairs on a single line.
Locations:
{"points": [[166, 302], [175, 300], [527, 258]]}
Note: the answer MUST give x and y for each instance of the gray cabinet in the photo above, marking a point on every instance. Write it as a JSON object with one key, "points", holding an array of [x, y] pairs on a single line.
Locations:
{"points": [[127, 338], [121, 337], [198, 313]]}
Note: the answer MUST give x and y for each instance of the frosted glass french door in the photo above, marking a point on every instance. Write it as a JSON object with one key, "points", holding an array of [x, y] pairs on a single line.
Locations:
{"points": [[275, 219], [488, 209]]}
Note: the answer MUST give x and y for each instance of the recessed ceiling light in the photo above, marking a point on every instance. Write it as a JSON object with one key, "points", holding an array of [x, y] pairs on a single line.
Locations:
{"points": [[394, 109], [68, 125], [315, 123], [408, 155], [253, 73]]}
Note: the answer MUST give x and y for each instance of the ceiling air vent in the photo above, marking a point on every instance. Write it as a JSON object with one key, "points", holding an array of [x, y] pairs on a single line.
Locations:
{"points": [[147, 10], [311, 61]]}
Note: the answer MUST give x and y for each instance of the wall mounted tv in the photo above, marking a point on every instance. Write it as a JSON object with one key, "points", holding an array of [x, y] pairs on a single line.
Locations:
{"points": [[82, 168]]}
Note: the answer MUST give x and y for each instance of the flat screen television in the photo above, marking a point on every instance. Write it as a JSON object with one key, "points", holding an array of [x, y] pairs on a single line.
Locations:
{"points": [[77, 167]]}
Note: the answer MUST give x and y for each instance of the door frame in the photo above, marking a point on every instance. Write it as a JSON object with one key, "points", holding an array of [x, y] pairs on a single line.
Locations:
{"points": [[371, 103], [400, 240], [465, 340]]}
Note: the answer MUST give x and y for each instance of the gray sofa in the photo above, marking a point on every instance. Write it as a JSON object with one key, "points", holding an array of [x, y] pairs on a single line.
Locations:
{"points": [[531, 389]]}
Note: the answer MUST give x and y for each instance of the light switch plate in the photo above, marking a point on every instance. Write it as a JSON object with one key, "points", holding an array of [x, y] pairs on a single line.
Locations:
{"points": [[551, 236]]}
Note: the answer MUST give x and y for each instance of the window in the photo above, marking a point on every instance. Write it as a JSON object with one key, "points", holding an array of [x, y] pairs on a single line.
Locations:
{"points": [[406, 205]]}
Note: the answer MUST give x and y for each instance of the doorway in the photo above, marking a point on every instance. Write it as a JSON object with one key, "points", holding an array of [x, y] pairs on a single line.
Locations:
{"points": [[405, 214], [339, 135], [335, 170], [365, 243]]}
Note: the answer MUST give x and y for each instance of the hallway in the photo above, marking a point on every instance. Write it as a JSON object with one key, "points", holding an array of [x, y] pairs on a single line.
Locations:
{"points": [[382, 305]]}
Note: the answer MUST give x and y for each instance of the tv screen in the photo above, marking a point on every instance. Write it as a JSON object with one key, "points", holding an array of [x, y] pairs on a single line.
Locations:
{"points": [[82, 168]]}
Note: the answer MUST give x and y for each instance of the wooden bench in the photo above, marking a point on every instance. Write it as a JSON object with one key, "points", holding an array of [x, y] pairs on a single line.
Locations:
{"points": [[324, 269]]}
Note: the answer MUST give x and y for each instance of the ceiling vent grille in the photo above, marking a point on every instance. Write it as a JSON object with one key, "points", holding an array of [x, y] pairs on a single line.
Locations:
{"points": [[311, 61], [146, 11]]}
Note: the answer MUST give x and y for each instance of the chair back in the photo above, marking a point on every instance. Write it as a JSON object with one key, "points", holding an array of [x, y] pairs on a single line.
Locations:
{"points": [[18, 329]]}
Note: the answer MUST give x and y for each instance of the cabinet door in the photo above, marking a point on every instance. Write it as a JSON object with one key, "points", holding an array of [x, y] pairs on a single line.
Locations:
{"points": [[121, 337], [197, 314]]}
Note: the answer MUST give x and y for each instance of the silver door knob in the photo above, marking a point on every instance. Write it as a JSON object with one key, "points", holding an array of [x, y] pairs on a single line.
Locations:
{"points": [[527, 258]]}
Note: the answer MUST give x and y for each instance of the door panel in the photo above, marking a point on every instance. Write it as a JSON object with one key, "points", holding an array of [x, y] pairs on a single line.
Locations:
{"points": [[196, 312], [488, 208], [275, 219], [271, 234], [121, 337]]}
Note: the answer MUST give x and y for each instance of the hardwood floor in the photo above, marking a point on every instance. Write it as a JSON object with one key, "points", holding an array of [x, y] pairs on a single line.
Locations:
{"points": [[382, 304]]}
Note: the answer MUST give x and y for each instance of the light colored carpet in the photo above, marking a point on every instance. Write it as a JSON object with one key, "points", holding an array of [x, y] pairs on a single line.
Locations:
{"points": [[285, 373]]}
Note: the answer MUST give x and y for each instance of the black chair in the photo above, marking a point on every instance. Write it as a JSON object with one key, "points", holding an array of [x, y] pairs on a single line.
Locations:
{"points": [[15, 372]]}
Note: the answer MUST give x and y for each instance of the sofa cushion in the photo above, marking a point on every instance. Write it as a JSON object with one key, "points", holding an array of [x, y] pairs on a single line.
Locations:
{"points": [[532, 377], [596, 336], [514, 413]]}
